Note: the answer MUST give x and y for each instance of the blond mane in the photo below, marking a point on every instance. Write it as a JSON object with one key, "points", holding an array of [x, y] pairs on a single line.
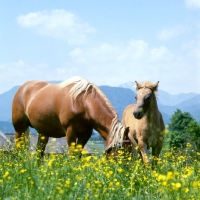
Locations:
{"points": [[83, 85], [116, 133], [149, 85]]}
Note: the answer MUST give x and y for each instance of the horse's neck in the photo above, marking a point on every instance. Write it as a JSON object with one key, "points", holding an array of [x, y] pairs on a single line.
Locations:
{"points": [[101, 115], [109, 127], [153, 112]]}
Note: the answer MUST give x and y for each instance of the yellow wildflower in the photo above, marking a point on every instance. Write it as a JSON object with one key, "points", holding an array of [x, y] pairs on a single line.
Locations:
{"points": [[194, 183], [187, 190], [120, 170], [88, 185], [176, 186], [118, 184], [23, 170], [169, 175], [6, 174], [67, 183]]}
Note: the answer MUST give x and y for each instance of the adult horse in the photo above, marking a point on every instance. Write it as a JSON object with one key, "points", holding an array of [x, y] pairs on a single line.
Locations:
{"points": [[145, 121], [71, 108]]}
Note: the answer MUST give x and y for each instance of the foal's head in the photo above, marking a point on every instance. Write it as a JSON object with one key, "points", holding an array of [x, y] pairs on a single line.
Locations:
{"points": [[144, 96]]}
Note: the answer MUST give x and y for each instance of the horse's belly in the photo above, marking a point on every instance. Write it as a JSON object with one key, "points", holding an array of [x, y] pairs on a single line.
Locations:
{"points": [[47, 124], [51, 131]]}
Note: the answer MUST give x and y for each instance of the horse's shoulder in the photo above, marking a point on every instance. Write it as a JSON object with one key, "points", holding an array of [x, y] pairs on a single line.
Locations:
{"points": [[130, 106]]}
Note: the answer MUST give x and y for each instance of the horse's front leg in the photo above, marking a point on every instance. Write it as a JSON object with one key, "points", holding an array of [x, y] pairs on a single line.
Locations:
{"points": [[42, 142], [134, 145], [71, 138], [143, 149]]}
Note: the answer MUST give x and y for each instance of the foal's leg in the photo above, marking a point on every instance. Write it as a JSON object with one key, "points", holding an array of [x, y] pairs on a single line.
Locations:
{"points": [[143, 149], [156, 152], [42, 142]]}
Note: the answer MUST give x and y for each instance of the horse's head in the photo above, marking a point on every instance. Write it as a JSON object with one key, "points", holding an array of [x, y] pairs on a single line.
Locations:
{"points": [[117, 143], [129, 145], [145, 93]]}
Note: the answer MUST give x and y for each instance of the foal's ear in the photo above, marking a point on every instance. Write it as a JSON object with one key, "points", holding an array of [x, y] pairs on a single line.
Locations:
{"points": [[154, 86], [138, 86]]}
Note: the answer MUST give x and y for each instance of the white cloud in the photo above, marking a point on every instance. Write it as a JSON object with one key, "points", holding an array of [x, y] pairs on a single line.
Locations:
{"points": [[57, 24], [16, 73], [193, 4], [192, 48], [134, 50], [171, 33], [108, 64], [159, 53]]}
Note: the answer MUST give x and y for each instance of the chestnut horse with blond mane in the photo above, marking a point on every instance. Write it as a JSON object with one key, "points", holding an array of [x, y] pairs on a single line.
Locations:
{"points": [[145, 121], [72, 108]]}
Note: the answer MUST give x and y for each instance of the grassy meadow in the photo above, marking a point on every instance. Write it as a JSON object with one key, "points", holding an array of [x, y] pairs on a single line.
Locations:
{"points": [[65, 176]]}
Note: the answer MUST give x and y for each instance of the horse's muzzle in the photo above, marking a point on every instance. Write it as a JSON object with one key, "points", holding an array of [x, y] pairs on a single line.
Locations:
{"points": [[138, 115]]}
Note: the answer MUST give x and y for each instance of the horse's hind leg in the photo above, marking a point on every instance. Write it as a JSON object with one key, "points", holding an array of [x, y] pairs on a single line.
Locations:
{"points": [[42, 142], [22, 133]]}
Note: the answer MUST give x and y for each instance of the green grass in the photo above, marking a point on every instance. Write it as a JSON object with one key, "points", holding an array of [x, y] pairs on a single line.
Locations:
{"points": [[23, 176]]}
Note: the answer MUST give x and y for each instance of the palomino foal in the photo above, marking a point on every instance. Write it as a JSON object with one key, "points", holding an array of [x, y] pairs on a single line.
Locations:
{"points": [[145, 121]]}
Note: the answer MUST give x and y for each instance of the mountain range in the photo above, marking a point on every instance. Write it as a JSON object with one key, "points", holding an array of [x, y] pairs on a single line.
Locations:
{"points": [[120, 97]]}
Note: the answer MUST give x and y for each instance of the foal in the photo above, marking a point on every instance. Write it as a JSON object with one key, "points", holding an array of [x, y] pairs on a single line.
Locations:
{"points": [[145, 121]]}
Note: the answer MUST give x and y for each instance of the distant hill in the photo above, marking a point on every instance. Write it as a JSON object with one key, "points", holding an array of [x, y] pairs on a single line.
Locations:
{"points": [[165, 98], [6, 127], [120, 97], [6, 104]]}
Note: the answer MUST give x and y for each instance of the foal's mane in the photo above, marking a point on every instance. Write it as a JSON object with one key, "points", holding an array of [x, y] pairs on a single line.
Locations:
{"points": [[149, 85]]}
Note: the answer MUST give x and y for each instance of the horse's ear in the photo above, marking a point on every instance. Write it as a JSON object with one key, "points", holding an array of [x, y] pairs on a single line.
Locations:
{"points": [[138, 86], [155, 86]]}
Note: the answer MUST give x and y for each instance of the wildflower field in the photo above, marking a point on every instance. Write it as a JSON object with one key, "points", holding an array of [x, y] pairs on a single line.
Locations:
{"points": [[65, 176]]}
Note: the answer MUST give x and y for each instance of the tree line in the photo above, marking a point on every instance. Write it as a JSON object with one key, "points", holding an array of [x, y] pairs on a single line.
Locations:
{"points": [[184, 131]]}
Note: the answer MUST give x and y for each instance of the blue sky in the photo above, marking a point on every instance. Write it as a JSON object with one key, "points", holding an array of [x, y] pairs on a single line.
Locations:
{"points": [[107, 42]]}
